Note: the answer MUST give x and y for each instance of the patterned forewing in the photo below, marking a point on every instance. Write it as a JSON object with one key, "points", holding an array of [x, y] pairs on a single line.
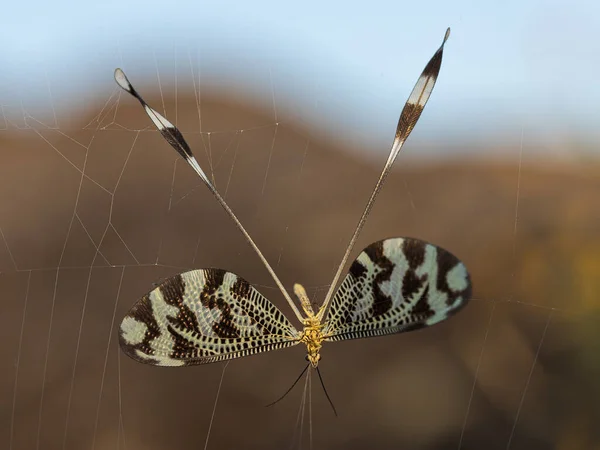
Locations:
{"points": [[200, 317], [397, 285]]}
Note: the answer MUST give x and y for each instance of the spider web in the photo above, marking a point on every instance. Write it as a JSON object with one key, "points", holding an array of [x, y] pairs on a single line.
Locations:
{"points": [[94, 214]]}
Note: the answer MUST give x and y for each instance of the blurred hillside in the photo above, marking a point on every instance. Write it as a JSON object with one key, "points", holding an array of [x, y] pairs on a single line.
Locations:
{"points": [[528, 234]]}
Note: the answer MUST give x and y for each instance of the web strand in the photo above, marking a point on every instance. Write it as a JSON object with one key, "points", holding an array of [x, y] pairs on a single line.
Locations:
{"points": [[83, 310], [121, 426], [18, 364], [110, 333], [12, 258], [212, 417], [522, 400], [299, 427], [53, 305], [479, 360]]}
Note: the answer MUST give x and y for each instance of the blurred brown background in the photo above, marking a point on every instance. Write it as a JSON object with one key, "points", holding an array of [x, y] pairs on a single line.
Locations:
{"points": [[112, 206]]}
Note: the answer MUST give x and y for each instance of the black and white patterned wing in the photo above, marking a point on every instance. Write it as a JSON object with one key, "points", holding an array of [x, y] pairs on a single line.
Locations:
{"points": [[397, 285], [200, 317]]}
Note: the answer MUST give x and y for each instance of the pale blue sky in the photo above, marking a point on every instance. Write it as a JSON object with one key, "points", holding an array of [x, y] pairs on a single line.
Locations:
{"points": [[508, 66]]}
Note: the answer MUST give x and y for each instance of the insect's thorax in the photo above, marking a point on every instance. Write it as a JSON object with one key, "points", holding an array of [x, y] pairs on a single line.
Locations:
{"points": [[312, 335]]}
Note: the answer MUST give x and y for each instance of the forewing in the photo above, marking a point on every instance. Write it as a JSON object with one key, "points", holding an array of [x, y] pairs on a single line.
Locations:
{"points": [[200, 317], [397, 285]]}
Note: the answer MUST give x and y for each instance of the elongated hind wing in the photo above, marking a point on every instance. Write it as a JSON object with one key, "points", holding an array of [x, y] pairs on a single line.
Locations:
{"points": [[200, 317], [397, 285]]}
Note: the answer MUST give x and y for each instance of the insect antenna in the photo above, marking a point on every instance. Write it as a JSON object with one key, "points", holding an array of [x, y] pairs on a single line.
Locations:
{"points": [[326, 394], [290, 389]]}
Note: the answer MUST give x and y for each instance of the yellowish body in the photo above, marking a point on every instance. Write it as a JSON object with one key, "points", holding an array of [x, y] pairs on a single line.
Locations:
{"points": [[311, 335]]}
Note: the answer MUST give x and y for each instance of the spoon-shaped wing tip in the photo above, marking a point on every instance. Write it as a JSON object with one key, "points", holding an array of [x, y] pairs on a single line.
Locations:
{"points": [[446, 36], [122, 80]]}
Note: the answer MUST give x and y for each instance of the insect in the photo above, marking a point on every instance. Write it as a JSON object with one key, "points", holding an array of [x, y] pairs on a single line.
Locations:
{"points": [[209, 315]]}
